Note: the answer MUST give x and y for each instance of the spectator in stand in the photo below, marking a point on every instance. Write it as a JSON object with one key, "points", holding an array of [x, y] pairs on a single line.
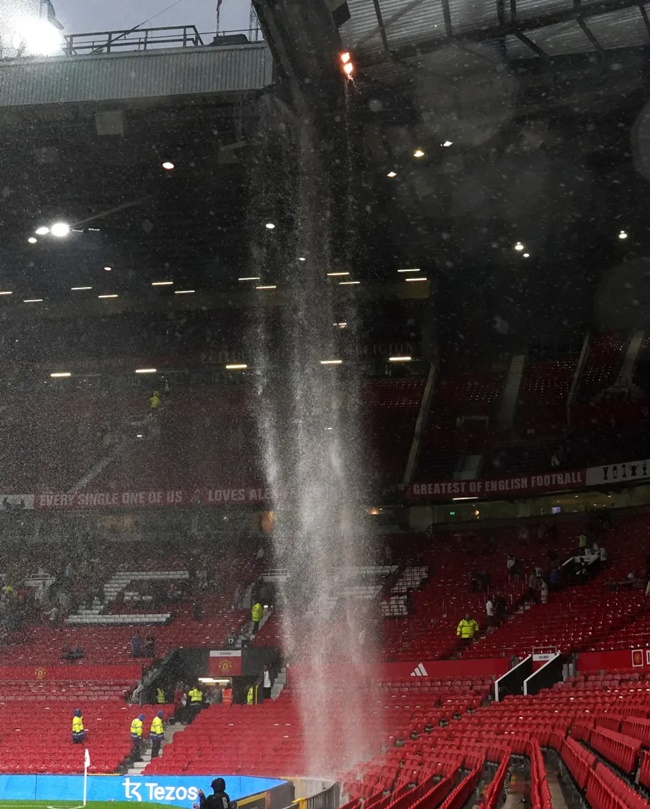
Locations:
{"points": [[543, 592], [533, 586], [136, 645], [603, 556], [466, 630], [78, 730], [500, 607], [555, 578], [154, 401], [136, 737], [267, 682], [582, 543], [489, 611], [514, 570], [180, 703], [257, 611], [156, 734], [150, 646]]}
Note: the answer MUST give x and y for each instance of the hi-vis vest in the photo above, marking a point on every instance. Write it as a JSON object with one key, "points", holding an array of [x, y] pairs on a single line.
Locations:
{"points": [[196, 695], [160, 696], [157, 727], [466, 629], [250, 697], [77, 724], [136, 728], [257, 611]]}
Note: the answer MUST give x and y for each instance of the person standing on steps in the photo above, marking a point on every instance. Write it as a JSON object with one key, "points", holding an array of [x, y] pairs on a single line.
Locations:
{"points": [[157, 734], [195, 696], [136, 737], [466, 630]]}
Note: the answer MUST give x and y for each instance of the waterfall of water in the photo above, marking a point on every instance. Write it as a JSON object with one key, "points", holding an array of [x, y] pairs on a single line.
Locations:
{"points": [[311, 442]]}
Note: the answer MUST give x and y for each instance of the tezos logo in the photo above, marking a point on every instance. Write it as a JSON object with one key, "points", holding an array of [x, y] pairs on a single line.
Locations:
{"points": [[155, 792]]}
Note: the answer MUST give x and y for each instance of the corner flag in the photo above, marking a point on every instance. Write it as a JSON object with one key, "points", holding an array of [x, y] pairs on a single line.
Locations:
{"points": [[86, 757]]}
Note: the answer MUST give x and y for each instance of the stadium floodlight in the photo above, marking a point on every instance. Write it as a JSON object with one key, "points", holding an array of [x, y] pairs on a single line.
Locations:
{"points": [[77, 289], [184, 291], [250, 278], [519, 247], [336, 274], [419, 153], [392, 174], [269, 226], [162, 283], [35, 36], [412, 269], [237, 366], [32, 240], [108, 269], [420, 278], [622, 234], [60, 374], [267, 286], [42, 231], [60, 230], [107, 296], [168, 165], [146, 371], [6, 292], [33, 300], [348, 283], [331, 362], [400, 359]]}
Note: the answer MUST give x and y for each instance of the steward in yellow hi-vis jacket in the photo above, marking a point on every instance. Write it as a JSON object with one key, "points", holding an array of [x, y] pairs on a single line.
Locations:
{"points": [[136, 737], [78, 730], [466, 629], [156, 734]]}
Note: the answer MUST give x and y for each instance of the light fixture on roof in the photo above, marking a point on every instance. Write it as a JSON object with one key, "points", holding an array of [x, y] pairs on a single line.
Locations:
{"points": [[139, 435], [108, 269], [412, 269], [267, 286], [269, 226], [400, 359], [420, 278], [331, 362], [622, 234], [77, 289], [60, 230], [348, 283], [237, 366], [341, 325], [301, 258], [184, 291], [146, 370], [61, 375], [162, 283], [348, 65], [446, 144], [418, 153], [6, 292], [33, 300], [249, 278], [519, 246], [32, 240], [42, 231], [35, 36], [107, 296], [392, 174], [526, 255], [336, 274], [168, 165]]}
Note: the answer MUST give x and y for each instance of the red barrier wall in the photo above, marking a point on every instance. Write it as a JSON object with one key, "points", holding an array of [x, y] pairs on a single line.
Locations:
{"points": [[427, 669], [611, 661], [130, 672]]}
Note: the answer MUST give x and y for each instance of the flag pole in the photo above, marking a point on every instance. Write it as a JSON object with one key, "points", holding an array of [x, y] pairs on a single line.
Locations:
{"points": [[86, 763]]}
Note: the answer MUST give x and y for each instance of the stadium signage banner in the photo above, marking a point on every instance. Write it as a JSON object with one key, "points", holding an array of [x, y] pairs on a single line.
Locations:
{"points": [[225, 663], [617, 473], [148, 499], [512, 486], [169, 790]]}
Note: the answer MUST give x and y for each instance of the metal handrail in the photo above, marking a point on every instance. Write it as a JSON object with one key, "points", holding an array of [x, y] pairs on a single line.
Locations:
{"points": [[142, 39]]}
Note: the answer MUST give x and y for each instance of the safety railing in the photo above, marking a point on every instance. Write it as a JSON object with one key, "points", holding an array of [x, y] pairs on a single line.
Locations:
{"points": [[146, 39]]}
